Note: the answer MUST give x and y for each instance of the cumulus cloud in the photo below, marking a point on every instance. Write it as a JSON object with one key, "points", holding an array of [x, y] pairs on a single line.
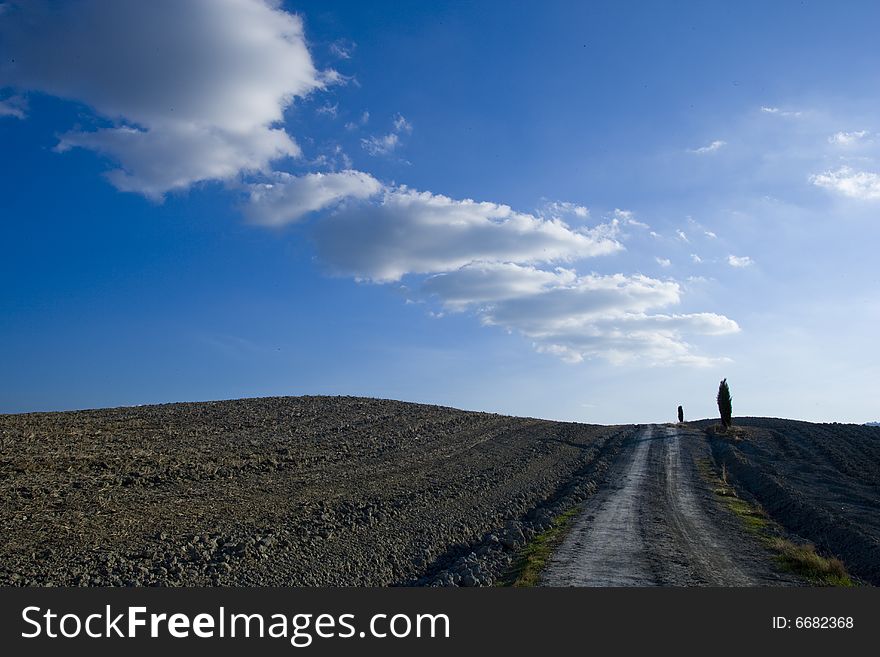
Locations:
{"points": [[183, 92], [848, 138], [408, 231], [739, 261], [862, 185], [579, 317], [187, 91], [483, 283], [288, 198], [663, 262], [709, 148]]}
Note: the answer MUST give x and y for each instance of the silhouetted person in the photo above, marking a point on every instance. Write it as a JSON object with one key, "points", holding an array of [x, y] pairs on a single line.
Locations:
{"points": [[680, 414]]}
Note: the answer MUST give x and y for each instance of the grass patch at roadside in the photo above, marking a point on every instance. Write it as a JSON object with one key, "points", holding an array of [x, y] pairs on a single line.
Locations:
{"points": [[531, 559], [805, 561], [801, 559]]}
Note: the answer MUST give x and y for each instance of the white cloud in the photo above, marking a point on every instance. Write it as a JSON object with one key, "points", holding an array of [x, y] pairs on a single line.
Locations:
{"points": [[328, 110], [696, 259], [848, 138], [709, 148], [663, 262], [680, 234], [419, 232], [401, 124], [14, 106], [862, 185], [627, 218], [779, 112], [382, 145], [362, 121], [579, 317], [175, 156], [288, 198], [562, 209], [739, 261], [481, 283], [710, 234], [342, 49], [197, 91], [192, 90], [385, 144]]}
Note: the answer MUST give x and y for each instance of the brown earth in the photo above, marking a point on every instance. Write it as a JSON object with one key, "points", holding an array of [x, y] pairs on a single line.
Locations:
{"points": [[284, 491], [821, 482]]}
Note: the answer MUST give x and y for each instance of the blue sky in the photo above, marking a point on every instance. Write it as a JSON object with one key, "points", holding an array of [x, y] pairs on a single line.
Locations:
{"points": [[586, 211]]}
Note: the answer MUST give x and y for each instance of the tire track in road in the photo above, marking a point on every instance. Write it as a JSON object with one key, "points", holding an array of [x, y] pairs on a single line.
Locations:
{"points": [[605, 546], [650, 529]]}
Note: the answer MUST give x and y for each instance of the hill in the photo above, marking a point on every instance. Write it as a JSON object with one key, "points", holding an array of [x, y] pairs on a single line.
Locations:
{"points": [[283, 491]]}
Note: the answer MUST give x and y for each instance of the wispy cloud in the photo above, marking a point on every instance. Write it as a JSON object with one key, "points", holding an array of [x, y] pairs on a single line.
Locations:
{"points": [[861, 185], [739, 261], [362, 121], [14, 106], [381, 145], [385, 144], [328, 110], [709, 148], [563, 209], [342, 49], [848, 138], [780, 112], [627, 218], [663, 262]]}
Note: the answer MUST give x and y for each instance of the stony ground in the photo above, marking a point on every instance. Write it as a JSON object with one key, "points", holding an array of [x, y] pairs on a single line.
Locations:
{"points": [[284, 491], [819, 481]]}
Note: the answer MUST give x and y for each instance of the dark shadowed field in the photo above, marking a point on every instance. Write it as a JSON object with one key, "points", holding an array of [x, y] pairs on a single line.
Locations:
{"points": [[283, 491], [820, 481]]}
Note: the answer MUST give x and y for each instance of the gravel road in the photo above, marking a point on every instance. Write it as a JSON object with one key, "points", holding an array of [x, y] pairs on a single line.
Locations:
{"points": [[655, 523]]}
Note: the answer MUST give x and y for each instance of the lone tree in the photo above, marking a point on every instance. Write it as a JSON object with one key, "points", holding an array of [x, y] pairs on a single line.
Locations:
{"points": [[680, 414], [724, 404]]}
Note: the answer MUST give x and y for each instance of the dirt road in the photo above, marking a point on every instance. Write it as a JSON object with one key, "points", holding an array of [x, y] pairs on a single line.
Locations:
{"points": [[655, 524]]}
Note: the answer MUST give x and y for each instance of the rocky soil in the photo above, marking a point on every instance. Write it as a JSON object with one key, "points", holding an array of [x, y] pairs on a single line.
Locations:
{"points": [[284, 491], [819, 481]]}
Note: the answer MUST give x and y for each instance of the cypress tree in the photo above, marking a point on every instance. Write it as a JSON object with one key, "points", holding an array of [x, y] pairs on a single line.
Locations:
{"points": [[725, 405]]}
